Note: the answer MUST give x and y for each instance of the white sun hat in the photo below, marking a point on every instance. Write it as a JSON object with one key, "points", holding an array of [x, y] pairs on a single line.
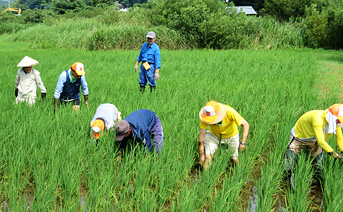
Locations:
{"points": [[27, 62]]}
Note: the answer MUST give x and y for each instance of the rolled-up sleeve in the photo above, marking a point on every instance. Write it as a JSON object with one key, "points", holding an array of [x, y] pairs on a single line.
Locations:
{"points": [[60, 83], [84, 85]]}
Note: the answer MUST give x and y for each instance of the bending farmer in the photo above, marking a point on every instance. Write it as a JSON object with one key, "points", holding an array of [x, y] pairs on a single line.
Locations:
{"points": [[310, 135], [141, 126], [223, 122], [105, 118]]}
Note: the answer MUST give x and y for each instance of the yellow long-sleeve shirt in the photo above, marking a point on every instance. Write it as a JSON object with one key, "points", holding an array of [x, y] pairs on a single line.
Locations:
{"points": [[311, 125]]}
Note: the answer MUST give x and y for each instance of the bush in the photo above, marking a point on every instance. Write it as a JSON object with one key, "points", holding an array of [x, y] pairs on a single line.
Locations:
{"points": [[36, 15], [316, 28], [11, 27], [132, 37]]}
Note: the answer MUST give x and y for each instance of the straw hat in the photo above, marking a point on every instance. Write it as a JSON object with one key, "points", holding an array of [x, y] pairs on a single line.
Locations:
{"points": [[337, 110], [27, 62], [212, 113]]}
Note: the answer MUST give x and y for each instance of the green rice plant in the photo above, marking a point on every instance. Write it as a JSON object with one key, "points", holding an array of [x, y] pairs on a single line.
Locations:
{"points": [[297, 194], [50, 162], [332, 188]]}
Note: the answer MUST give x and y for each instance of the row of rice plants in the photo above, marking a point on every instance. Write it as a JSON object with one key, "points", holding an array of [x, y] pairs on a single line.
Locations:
{"points": [[51, 162]]}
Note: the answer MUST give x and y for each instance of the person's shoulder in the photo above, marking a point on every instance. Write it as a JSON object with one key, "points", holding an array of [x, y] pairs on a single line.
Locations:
{"points": [[20, 71], [35, 71], [63, 74], [155, 45]]}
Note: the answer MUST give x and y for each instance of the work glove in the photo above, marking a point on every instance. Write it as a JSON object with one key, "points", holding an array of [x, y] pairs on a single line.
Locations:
{"points": [[43, 96], [157, 76], [16, 92], [136, 67]]}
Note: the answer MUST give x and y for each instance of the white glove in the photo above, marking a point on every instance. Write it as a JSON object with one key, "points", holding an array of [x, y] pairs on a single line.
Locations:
{"points": [[157, 76], [136, 68]]}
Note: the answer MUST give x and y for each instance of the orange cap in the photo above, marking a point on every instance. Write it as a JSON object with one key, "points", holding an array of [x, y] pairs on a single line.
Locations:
{"points": [[337, 110], [97, 127], [79, 68], [210, 111]]}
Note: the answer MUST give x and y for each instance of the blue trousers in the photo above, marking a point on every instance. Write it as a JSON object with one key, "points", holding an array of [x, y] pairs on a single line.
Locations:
{"points": [[147, 76]]}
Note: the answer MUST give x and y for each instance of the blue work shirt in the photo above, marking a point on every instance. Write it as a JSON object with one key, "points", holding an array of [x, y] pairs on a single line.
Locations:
{"points": [[151, 54], [141, 122], [63, 78]]}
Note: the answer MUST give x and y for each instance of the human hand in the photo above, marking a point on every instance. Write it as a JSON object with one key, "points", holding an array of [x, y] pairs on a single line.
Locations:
{"points": [[157, 76], [136, 67], [201, 159], [43, 96], [242, 147]]}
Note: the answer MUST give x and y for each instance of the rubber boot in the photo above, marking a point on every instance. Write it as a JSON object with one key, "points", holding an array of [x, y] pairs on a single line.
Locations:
{"points": [[152, 88], [142, 89]]}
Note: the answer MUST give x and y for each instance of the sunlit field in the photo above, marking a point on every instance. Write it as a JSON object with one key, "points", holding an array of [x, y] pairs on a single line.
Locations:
{"points": [[48, 161]]}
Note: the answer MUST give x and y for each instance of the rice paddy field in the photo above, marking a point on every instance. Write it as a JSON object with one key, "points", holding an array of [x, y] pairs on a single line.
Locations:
{"points": [[49, 162]]}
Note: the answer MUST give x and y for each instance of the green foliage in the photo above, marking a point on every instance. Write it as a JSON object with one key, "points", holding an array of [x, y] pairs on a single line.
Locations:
{"points": [[316, 28], [285, 9], [36, 15], [62, 6]]}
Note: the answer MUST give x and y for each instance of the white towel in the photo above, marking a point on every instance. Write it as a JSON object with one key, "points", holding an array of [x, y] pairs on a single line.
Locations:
{"points": [[331, 119]]}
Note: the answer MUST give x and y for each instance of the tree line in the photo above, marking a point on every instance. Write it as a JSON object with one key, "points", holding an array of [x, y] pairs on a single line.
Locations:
{"points": [[207, 23]]}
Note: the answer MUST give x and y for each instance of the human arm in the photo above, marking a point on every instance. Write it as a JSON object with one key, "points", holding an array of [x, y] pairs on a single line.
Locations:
{"points": [[158, 59], [60, 84], [339, 138], [136, 66], [55, 104], [40, 84], [202, 134], [246, 126], [17, 79], [318, 131], [84, 89]]}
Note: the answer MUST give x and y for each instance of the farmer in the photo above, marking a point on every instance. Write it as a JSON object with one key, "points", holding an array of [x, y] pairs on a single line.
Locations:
{"points": [[141, 126], [151, 63], [310, 135], [27, 80], [223, 122], [105, 117], [68, 86]]}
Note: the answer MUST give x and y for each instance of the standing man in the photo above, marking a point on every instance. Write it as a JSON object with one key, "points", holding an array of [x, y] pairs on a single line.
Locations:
{"points": [[140, 126], [310, 135], [223, 121], [68, 86], [27, 80], [105, 117], [151, 63]]}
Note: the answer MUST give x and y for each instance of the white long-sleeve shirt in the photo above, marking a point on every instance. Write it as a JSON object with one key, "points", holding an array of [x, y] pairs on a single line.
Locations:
{"points": [[109, 113], [27, 83]]}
